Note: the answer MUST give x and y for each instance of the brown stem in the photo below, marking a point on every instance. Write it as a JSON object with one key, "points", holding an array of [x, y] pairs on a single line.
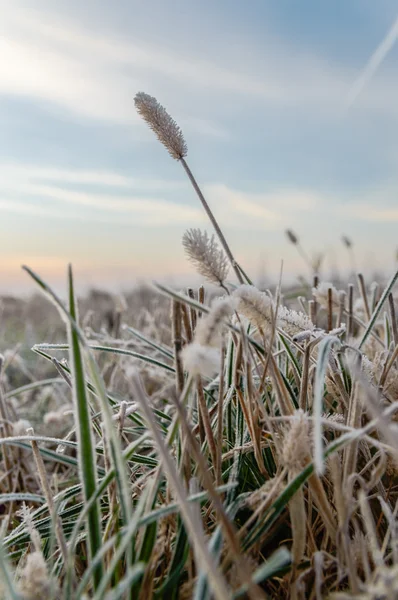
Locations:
{"points": [[212, 218]]}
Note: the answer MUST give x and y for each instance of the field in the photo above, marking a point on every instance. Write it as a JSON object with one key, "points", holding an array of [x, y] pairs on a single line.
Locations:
{"points": [[222, 442]]}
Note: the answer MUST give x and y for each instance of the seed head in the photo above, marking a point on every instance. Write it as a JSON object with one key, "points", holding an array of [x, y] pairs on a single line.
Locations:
{"points": [[201, 360], [346, 241], [255, 305], [292, 237], [205, 254], [162, 124], [293, 322], [296, 443]]}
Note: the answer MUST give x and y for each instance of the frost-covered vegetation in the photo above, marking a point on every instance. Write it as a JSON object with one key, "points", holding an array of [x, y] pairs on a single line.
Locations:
{"points": [[225, 442]]}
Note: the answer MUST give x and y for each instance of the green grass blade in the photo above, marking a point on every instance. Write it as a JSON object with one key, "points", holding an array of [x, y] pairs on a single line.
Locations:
{"points": [[377, 310], [279, 560], [323, 359], [86, 447]]}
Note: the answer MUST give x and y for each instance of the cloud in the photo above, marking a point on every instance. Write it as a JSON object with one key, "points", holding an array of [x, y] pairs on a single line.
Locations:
{"points": [[373, 64], [118, 199], [13, 174], [268, 210], [95, 76], [367, 212], [24, 188]]}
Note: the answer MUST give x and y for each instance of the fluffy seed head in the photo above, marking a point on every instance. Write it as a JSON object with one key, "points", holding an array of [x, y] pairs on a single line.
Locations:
{"points": [[162, 124], [297, 443], [209, 328], [205, 254], [293, 322], [255, 305], [34, 581], [201, 360]]}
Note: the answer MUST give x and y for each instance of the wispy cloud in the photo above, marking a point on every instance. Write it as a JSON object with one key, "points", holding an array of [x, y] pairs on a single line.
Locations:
{"points": [[268, 210], [24, 188], [373, 64], [13, 174], [96, 75], [367, 212]]}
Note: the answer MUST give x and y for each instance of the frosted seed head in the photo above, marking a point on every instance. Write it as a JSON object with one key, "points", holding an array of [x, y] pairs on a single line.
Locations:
{"points": [[162, 124]]}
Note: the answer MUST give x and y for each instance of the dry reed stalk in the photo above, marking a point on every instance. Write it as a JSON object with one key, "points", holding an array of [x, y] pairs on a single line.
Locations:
{"points": [[192, 310], [388, 366], [220, 414], [298, 521], [340, 314], [202, 406], [350, 453], [255, 417], [187, 322], [350, 320], [201, 298], [362, 289], [330, 310], [41, 469], [393, 317], [7, 431], [315, 305], [177, 344], [312, 305], [305, 377], [112, 488]]}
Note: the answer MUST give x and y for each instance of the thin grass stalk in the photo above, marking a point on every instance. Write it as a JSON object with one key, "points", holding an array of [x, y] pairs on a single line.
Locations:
{"points": [[353, 420], [253, 407], [350, 320], [315, 305], [324, 351], [362, 289], [177, 344], [7, 431], [393, 317], [388, 366], [378, 308], [220, 414], [206, 422], [305, 378], [330, 309], [213, 220], [192, 310], [49, 497], [298, 521], [187, 322], [340, 314]]}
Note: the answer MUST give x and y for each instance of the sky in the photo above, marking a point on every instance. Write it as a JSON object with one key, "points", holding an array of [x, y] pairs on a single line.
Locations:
{"points": [[289, 110]]}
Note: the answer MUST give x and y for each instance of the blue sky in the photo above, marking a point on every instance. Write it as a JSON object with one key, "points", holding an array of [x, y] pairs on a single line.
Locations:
{"points": [[289, 110]]}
